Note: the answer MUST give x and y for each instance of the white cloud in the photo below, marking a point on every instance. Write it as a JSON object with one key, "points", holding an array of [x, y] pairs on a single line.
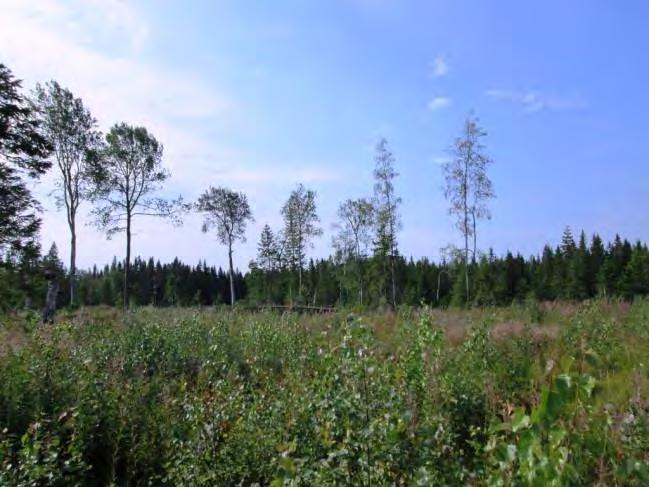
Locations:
{"points": [[441, 160], [438, 103], [98, 50], [92, 23], [533, 101], [65, 42], [439, 67], [279, 175], [95, 49]]}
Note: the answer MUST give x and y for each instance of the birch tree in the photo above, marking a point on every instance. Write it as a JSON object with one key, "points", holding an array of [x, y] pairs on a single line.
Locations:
{"points": [[468, 187], [125, 177], [300, 227], [387, 218], [354, 234], [228, 212], [72, 132]]}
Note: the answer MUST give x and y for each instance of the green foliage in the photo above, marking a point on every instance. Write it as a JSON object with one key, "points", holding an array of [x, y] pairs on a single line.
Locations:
{"points": [[223, 398], [535, 448], [23, 152], [618, 271]]}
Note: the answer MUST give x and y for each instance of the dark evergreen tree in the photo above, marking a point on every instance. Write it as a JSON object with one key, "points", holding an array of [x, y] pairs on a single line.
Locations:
{"points": [[23, 154]]}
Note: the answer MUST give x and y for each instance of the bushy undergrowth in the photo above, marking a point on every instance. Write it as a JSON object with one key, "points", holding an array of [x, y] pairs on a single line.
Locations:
{"points": [[243, 399]]}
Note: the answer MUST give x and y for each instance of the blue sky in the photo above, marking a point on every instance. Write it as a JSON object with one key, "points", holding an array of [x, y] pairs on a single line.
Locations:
{"points": [[259, 96]]}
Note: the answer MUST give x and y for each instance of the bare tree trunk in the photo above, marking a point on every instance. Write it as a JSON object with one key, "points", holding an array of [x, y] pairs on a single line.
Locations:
{"points": [[50, 300], [360, 280], [340, 285], [266, 286], [394, 287], [231, 274], [466, 265], [466, 225], [475, 237], [127, 263], [359, 271], [392, 240], [73, 263]]}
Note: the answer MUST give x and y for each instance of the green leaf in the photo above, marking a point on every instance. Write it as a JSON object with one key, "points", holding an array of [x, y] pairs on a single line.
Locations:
{"points": [[541, 411], [505, 454], [563, 384], [592, 358], [556, 436], [520, 420], [566, 363], [586, 385]]}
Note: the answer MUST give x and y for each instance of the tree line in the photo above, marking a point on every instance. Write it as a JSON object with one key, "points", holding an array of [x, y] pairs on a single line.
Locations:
{"points": [[577, 269], [120, 175], [574, 270]]}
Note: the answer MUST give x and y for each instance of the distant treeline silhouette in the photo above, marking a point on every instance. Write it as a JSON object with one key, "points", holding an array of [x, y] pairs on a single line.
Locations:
{"points": [[574, 270]]}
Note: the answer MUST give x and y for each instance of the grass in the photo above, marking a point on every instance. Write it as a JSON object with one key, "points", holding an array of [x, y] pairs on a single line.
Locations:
{"points": [[527, 395]]}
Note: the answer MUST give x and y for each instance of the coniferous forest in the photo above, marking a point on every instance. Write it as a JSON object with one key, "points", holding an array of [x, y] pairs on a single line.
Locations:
{"points": [[576, 270]]}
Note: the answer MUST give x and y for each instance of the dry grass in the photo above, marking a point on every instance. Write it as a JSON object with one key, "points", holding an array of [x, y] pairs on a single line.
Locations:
{"points": [[504, 322], [10, 340]]}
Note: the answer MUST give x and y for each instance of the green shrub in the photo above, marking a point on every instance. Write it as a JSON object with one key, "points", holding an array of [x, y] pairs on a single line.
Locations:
{"points": [[233, 398]]}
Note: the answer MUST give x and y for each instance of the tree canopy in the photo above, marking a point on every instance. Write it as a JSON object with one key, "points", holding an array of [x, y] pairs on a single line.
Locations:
{"points": [[228, 212], [23, 154]]}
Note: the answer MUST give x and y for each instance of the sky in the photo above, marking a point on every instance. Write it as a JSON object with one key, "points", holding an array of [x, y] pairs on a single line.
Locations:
{"points": [[261, 96]]}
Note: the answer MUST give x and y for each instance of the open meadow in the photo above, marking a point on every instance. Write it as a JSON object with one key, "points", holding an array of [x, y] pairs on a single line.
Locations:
{"points": [[537, 395]]}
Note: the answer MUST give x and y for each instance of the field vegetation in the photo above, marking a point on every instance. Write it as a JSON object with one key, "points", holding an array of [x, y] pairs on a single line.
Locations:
{"points": [[523, 395]]}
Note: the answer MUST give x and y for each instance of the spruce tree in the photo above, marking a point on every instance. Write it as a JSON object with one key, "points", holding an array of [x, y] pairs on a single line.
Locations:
{"points": [[24, 151]]}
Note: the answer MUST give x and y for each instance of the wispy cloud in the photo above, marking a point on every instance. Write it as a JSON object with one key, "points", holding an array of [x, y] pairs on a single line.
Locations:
{"points": [[254, 176], [78, 43], [438, 103], [441, 160], [95, 48], [534, 101], [439, 67]]}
